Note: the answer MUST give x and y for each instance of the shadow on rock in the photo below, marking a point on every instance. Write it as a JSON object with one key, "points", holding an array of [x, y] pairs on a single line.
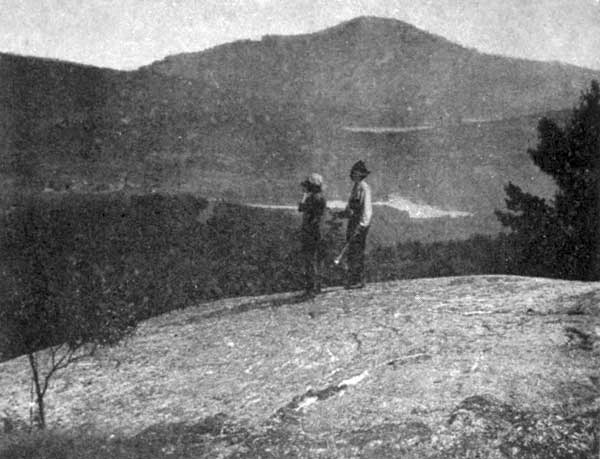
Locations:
{"points": [[257, 304], [491, 427], [389, 440]]}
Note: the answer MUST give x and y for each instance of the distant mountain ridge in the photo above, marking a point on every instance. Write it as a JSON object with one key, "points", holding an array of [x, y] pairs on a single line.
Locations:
{"points": [[244, 121], [384, 68]]}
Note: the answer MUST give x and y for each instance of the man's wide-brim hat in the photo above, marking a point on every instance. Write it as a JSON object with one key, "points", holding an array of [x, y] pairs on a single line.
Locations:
{"points": [[360, 168], [313, 180]]}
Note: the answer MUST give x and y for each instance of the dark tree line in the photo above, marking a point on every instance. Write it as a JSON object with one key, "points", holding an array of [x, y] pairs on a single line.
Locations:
{"points": [[560, 238]]}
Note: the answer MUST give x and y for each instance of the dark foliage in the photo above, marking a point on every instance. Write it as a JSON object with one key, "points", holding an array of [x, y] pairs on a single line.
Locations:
{"points": [[561, 238], [476, 255], [539, 247], [81, 256], [55, 298]]}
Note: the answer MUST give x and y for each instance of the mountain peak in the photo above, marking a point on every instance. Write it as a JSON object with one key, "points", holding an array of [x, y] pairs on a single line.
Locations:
{"points": [[374, 21], [358, 27], [392, 29]]}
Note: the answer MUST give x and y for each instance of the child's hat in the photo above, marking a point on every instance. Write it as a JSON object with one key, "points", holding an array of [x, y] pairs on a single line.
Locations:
{"points": [[313, 180]]}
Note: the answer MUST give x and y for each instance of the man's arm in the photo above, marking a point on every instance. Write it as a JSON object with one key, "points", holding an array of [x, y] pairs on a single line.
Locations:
{"points": [[302, 204], [367, 207]]}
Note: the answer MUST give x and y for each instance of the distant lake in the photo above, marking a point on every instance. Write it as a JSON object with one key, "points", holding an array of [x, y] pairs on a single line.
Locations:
{"points": [[415, 210]]}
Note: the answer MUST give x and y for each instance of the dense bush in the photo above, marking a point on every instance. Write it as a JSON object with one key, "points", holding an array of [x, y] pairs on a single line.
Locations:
{"points": [[58, 303], [476, 255], [148, 254]]}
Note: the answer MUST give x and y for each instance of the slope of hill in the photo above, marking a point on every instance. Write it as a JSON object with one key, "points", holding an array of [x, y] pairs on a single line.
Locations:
{"points": [[245, 120], [378, 70], [490, 366]]}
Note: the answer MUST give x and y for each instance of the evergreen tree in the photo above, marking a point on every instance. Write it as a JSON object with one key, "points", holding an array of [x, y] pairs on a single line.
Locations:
{"points": [[560, 238]]}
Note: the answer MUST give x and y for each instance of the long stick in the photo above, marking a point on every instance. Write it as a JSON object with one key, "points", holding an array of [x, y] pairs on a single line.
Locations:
{"points": [[338, 259]]}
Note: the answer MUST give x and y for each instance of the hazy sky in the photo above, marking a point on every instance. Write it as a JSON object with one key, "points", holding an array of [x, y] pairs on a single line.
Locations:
{"points": [[125, 34]]}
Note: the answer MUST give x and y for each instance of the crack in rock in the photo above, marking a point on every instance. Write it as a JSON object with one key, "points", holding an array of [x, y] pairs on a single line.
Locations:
{"points": [[291, 412]]}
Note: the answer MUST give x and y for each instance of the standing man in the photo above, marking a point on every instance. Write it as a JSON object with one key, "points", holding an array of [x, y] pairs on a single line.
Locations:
{"points": [[358, 211], [312, 207]]}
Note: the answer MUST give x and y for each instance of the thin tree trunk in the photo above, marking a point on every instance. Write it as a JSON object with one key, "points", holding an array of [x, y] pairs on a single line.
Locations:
{"points": [[41, 411], [39, 393]]}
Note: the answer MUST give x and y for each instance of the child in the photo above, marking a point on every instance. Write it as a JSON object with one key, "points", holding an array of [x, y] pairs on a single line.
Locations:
{"points": [[312, 207]]}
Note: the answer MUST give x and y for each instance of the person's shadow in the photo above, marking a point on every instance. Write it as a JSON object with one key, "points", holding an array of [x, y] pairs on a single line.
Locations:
{"points": [[265, 303]]}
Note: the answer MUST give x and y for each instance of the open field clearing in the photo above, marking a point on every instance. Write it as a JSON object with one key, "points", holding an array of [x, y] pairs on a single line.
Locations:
{"points": [[494, 366]]}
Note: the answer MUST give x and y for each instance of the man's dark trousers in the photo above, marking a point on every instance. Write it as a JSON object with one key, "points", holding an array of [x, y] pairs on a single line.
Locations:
{"points": [[357, 235]]}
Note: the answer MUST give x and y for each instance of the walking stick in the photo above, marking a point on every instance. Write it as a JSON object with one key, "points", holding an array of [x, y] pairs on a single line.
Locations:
{"points": [[338, 259]]}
